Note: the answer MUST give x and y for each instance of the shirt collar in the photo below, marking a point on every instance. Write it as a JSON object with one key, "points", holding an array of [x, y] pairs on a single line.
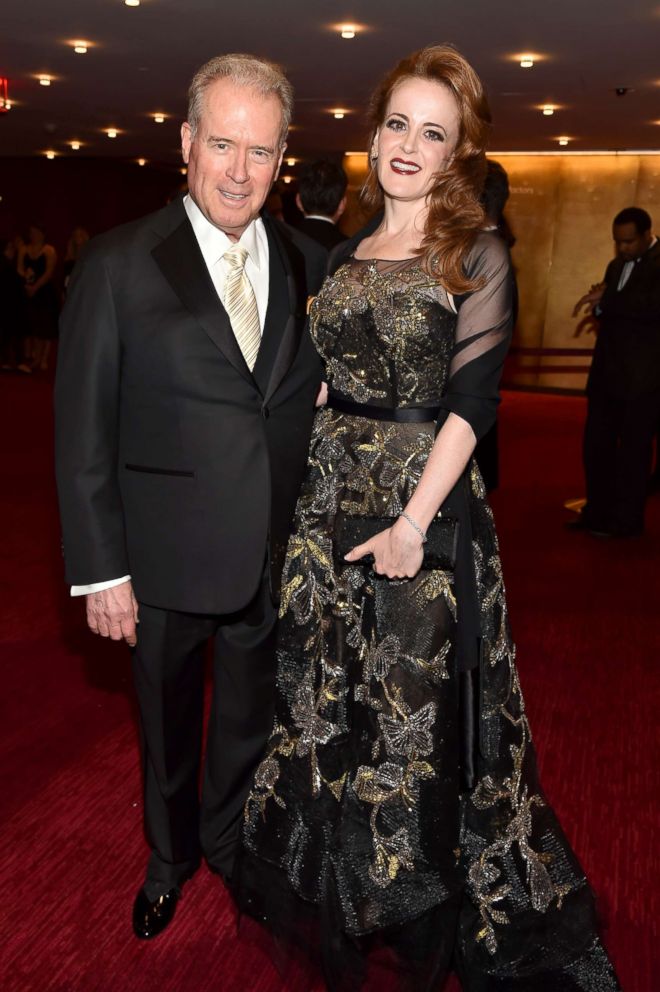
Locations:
{"points": [[319, 217], [213, 242]]}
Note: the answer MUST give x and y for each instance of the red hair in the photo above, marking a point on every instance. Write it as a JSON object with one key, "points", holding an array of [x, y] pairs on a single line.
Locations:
{"points": [[455, 214]]}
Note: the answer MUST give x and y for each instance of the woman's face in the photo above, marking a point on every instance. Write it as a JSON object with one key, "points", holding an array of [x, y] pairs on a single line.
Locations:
{"points": [[417, 138], [36, 236]]}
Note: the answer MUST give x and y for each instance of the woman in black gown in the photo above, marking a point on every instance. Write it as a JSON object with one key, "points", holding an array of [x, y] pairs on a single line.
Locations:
{"points": [[398, 806]]}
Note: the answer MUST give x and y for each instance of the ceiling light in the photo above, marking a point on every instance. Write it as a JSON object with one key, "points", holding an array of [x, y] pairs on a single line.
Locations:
{"points": [[45, 80], [140, 161], [50, 154], [548, 110], [132, 3], [338, 113], [111, 132], [287, 179], [348, 30], [563, 141], [291, 161], [526, 61], [80, 47], [159, 118], [74, 145], [183, 171]]}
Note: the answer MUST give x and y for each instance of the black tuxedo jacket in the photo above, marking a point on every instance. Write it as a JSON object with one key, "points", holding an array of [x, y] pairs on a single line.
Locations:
{"points": [[175, 463], [323, 231], [627, 352]]}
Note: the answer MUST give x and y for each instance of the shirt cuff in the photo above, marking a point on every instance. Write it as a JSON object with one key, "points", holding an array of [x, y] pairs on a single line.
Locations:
{"points": [[98, 586]]}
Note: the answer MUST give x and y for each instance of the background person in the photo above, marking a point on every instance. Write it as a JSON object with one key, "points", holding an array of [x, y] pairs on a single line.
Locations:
{"points": [[322, 198], [36, 265], [623, 388]]}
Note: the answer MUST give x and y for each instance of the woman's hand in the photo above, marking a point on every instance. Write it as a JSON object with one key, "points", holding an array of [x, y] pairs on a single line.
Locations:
{"points": [[398, 551], [322, 395]]}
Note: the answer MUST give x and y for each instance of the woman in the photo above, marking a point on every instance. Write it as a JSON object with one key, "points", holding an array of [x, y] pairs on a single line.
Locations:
{"points": [[36, 265], [398, 805]]}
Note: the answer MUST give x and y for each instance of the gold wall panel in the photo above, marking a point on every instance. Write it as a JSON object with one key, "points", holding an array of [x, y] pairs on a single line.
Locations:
{"points": [[560, 211]]}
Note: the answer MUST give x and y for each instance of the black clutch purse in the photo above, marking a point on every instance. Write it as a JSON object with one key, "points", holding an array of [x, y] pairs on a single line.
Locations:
{"points": [[439, 551]]}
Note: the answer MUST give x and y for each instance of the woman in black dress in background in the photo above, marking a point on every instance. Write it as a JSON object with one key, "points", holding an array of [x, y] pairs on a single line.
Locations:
{"points": [[36, 264], [398, 806]]}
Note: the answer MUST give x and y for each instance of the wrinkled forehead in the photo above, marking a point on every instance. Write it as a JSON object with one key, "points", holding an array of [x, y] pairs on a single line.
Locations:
{"points": [[225, 100]]}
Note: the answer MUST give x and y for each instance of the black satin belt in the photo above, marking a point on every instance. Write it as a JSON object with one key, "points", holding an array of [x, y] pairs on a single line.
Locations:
{"points": [[400, 415]]}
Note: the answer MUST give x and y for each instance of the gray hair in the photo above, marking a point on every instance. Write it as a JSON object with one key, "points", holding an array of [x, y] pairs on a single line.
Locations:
{"points": [[243, 70]]}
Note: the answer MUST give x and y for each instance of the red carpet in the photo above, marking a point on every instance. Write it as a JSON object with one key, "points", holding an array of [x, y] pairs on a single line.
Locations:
{"points": [[584, 616]]}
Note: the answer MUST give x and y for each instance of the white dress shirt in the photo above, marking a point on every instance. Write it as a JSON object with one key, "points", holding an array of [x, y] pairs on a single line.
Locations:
{"points": [[626, 271], [213, 243]]}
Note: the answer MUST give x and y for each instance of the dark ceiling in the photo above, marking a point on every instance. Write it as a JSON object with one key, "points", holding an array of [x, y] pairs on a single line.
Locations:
{"points": [[143, 57]]}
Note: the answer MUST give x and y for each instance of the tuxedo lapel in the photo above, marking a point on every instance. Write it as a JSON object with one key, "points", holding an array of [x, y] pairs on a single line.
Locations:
{"points": [[180, 260], [293, 263]]}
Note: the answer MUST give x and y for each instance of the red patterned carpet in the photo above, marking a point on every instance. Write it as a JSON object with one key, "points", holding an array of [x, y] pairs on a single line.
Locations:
{"points": [[585, 619]]}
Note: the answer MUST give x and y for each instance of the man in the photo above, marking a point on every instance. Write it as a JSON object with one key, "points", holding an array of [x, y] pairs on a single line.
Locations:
{"points": [[184, 399], [623, 389], [321, 197]]}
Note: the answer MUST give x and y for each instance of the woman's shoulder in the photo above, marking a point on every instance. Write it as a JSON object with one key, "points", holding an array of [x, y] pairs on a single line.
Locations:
{"points": [[487, 254]]}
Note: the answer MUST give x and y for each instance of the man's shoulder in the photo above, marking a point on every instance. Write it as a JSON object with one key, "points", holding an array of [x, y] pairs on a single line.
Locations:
{"points": [[310, 248], [136, 235]]}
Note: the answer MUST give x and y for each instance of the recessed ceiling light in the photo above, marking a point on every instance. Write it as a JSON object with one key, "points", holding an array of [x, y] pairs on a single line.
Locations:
{"points": [[44, 80], [159, 118], [563, 141], [50, 154], [111, 132], [74, 145], [526, 61], [183, 171], [548, 110], [338, 113], [132, 3], [80, 47], [348, 31], [291, 161], [140, 161], [287, 179]]}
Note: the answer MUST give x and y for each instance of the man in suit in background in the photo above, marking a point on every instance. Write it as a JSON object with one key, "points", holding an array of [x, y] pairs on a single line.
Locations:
{"points": [[623, 389], [185, 393], [322, 198]]}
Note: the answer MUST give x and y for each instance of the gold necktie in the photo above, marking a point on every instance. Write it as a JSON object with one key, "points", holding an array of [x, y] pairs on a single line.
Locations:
{"points": [[241, 305]]}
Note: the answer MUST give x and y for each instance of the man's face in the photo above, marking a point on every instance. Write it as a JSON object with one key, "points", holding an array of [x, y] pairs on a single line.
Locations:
{"points": [[235, 154], [630, 244]]}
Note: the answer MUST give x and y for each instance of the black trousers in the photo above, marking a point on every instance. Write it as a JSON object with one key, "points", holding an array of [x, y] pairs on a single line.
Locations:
{"points": [[168, 665], [618, 442]]}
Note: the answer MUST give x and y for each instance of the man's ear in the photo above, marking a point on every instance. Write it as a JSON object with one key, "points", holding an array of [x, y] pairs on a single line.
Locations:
{"points": [[186, 141], [340, 209]]}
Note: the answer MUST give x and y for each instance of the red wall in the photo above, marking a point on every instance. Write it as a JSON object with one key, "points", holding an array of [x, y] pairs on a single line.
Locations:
{"points": [[88, 192]]}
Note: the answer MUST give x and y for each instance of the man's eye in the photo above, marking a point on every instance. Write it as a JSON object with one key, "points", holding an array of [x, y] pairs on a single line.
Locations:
{"points": [[221, 145]]}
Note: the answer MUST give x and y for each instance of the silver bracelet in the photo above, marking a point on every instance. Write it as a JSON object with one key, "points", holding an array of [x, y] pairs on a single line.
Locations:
{"points": [[414, 525]]}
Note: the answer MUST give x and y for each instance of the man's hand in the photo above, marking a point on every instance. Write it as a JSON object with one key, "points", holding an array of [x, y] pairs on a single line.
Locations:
{"points": [[113, 613], [590, 300]]}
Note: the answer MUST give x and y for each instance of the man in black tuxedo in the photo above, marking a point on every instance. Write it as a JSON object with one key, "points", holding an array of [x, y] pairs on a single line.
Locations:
{"points": [[623, 389], [185, 392], [322, 198]]}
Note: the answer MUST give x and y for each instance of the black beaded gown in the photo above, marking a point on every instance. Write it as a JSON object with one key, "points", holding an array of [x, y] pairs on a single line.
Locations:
{"points": [[397, 811]]}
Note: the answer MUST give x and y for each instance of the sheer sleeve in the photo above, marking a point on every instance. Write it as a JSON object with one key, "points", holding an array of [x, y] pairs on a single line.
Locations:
{"points": [[483, 332]]}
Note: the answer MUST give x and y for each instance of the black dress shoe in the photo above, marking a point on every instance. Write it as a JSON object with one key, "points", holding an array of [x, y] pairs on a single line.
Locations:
{"points": [[151, 918]]}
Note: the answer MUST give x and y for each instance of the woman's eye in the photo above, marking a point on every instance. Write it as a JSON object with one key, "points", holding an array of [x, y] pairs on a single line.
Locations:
{"points": [[395, 124], [435, 136]]}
